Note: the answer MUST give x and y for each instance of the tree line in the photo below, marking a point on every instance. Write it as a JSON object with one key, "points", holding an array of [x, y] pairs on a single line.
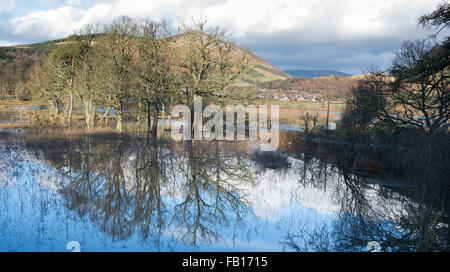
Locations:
{"points": [[136, 69], [398, 121], [413, 95]]}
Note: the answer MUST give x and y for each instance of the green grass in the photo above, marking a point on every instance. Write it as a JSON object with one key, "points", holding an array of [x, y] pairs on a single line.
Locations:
{"points": [[270, 70], [254, 73], [47, 44]]}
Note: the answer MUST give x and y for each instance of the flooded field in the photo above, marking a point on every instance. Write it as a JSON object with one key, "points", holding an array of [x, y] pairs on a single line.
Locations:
{"points": [[110, 191], [129, 192], [12, 117], [13, 112]]}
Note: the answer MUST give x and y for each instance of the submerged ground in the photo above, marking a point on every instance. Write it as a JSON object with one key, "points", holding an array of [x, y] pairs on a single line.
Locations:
{"points": [[130, 192]]}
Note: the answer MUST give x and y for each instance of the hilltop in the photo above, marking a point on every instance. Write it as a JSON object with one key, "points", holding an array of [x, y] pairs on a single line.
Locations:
{"points": [[16, 63], [314, 73], [34, 52], [260, 71]]}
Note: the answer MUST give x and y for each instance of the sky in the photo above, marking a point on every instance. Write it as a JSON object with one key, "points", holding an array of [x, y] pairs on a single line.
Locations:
{"points": [[343, 35]]}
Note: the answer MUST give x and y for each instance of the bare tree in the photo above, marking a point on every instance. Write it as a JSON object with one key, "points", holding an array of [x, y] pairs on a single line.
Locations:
{"points": [[439, 18], [419, 95], [86, 87], [116, 52], [208, 64], [50, 85], [310, 123], [155, 64], [414, 95]]}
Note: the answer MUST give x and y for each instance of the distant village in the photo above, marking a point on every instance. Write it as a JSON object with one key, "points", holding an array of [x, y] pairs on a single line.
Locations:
{"points": [[294, 95]]}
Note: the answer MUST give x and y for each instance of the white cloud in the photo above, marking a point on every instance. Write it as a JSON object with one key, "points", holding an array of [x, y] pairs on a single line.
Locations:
{"points": [[313, 21], [55, 23], [302, 22]]}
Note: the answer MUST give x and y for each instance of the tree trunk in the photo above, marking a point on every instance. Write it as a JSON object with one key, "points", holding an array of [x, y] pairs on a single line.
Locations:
{"points": [[149, 116], [71, 93], [155, 122], [119, 121], [139, 116], [163, 117], [328, 112], [88, 115], [56, 108], [94, 117], [105, 115], [69, 120], [169, 119], [193, 124]]}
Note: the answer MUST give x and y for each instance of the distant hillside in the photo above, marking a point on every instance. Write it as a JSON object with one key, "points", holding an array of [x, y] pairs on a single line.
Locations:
{"points": [[16, 63], [33, 52], [260, 71], [314, 73]]}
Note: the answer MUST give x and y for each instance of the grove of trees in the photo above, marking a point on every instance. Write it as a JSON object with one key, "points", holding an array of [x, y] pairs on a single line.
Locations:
{"points": [[135, 69], [413, 95], [399, 120]]}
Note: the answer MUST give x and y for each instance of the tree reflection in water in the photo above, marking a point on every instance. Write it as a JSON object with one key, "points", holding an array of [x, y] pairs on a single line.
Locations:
{"points": [[120, 182], [211, 197], [395, 222], [154, 194]]}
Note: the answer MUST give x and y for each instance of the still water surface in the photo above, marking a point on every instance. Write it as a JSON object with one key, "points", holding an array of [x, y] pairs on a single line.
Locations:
{"points": [[113, 192]]}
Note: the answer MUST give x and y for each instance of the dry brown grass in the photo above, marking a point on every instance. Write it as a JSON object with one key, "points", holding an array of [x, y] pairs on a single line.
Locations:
{"points": [[6, 104], [292, 115], [15, 125]]}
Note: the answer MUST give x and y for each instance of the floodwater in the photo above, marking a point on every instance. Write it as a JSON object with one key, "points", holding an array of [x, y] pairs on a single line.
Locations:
{"points": [[13, 117], [130, 192], [123, 192]]}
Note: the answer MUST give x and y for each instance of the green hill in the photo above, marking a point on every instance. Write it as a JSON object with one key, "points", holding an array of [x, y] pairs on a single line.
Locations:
{"points": [[315, 73], [17, 61]]}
